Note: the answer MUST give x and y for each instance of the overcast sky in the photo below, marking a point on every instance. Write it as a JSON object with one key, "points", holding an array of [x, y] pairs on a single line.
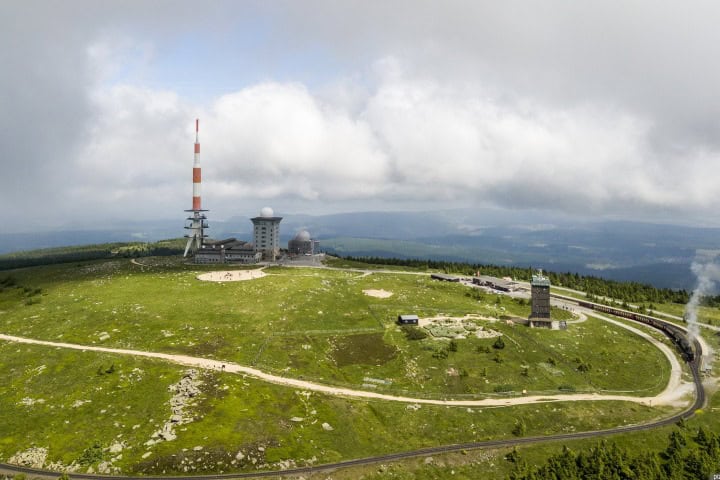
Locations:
{"points": [[599, 108]]}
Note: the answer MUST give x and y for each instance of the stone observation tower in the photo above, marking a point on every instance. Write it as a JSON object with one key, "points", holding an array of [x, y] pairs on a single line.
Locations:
{"points": [[540, 297], [266, 234]]}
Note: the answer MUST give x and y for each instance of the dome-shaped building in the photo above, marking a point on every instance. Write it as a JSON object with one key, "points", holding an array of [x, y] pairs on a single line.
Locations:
{"points": [[302, 244]]}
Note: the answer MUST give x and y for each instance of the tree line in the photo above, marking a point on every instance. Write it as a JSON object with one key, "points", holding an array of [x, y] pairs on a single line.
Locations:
{"points": [[632, 292], [83, 253], [685, 456]]}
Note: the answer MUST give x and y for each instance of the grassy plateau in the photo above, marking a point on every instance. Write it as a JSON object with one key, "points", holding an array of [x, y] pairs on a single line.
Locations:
{"points": [[102, 412]]}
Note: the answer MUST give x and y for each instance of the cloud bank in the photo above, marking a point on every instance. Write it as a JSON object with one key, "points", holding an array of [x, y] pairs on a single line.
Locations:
{"points": [[559, 108]]}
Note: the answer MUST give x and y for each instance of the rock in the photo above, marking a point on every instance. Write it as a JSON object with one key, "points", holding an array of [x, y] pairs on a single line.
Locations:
{"points": [[240, 455], [146, 454], [116, 447], [176, 419], [297, 419], [33, 457], [326, 426], [198, 448]]}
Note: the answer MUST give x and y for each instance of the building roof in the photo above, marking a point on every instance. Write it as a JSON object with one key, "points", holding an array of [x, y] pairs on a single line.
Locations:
{"points": [[540, 280]]}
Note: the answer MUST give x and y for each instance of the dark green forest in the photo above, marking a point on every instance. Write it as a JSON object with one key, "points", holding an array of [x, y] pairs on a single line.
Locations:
{"points": [[49, 256], [687, 456]]}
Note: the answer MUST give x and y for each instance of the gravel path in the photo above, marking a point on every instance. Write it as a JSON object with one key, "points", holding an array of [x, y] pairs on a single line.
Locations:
{"points": [[673, 394]]}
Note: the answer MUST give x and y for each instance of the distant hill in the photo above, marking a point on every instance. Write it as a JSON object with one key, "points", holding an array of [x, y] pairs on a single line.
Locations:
{"points": [[653, 253]]}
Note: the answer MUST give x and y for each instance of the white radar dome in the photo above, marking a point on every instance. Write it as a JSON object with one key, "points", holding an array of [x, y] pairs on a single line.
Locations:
{"points": [[303, 236], [267, 212]]}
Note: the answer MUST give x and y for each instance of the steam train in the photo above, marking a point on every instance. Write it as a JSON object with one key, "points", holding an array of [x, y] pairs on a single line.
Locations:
{"points": [[675, 333]]}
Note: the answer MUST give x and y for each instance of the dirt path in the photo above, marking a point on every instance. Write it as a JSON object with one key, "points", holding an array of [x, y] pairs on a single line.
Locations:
{"points": [[663, 398]]}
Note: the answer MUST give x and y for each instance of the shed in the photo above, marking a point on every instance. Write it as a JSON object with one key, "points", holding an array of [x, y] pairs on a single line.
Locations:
{"points": [[407, 319]]}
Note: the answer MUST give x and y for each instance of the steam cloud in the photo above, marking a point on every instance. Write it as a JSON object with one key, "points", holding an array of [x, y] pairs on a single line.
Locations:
{"points": [[708, 274]]}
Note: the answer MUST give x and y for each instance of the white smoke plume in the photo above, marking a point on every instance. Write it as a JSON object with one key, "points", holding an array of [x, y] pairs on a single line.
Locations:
{"points": [[708, 276]]}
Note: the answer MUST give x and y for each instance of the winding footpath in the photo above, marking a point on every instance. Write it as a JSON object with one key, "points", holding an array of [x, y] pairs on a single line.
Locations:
{"points": [[669, 396]]}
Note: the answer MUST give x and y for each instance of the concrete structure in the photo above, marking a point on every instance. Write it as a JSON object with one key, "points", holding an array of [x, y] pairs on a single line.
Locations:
{"points": [[540, 301], [501, 284], [444, 278], [229, 250], [266, 234], [303, 244], [196, 223]]}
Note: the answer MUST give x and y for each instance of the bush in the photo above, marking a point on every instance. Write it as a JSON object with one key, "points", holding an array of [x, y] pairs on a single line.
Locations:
{"points": [[91, 454], [519, 429], [453, 346], [440, 354], [499, 343], [414, 333], [503, 388]]}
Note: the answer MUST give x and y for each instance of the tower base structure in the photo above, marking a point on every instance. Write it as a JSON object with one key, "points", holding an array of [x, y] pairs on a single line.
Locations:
{"points": [[195, 224]]}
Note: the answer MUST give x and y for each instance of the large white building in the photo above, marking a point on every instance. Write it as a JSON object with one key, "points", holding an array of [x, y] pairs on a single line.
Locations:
{"points": [[266, 234]]}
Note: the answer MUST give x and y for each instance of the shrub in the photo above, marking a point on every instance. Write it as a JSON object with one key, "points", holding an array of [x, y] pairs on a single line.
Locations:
{"points": [[440, 354], [91, 454], [499, 343], [503, 388], [519, 429], [453, 346], [413, 333]]}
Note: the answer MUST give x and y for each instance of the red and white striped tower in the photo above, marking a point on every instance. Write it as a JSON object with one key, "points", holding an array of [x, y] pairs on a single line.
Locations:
{"points": [[198, 221], [197, 177]]}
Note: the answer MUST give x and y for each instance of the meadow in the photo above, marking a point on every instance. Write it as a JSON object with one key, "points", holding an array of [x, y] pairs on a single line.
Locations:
{"points": [[99, 411]]}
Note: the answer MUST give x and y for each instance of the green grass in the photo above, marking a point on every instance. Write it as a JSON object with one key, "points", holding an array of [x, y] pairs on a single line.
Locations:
{"points": [[300, 322], [317, 324], [76, 407]]}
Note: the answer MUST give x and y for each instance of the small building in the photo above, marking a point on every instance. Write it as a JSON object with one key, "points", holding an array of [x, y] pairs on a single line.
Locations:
{"points": [[444, 278], [229, 250], [266, 234], [500, 284], [540, 302], [303, 244], [407, 319]]}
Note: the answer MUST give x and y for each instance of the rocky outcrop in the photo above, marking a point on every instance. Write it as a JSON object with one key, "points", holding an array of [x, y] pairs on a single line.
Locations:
{"points": [[33, 457], [186, 391]]}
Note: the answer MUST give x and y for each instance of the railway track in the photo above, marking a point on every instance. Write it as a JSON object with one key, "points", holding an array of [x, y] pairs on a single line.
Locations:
{"points": [[685, 414]]}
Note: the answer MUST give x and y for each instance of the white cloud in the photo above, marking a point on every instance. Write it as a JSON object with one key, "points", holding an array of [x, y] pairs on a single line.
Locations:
{"points": [[413, 139], [519, 105]]}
